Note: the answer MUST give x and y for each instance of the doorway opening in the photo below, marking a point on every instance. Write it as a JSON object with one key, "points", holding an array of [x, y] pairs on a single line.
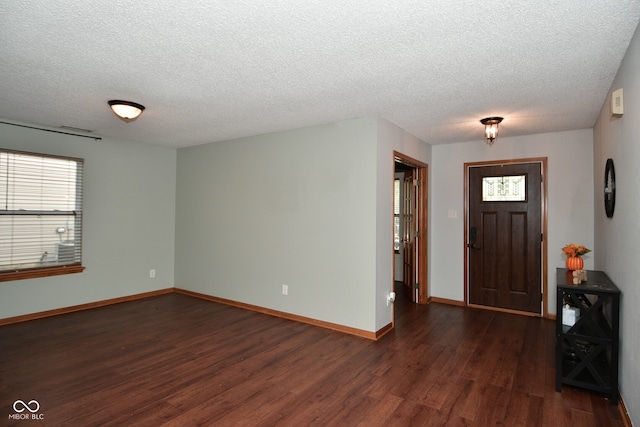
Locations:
{"points": [[505, 236], [410, 229]]}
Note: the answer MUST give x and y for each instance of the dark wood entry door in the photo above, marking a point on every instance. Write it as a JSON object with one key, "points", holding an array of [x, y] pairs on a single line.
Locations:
{"points": [[504, 236]]}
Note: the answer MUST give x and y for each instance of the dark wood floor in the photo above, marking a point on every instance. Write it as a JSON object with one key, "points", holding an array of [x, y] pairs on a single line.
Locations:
{"points": [[176, 360]]}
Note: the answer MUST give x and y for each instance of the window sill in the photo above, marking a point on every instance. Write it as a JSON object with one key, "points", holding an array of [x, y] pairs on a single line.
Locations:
{"points": [[33, 273]]}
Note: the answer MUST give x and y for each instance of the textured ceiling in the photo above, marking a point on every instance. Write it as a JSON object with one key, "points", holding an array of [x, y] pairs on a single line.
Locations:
{"points": [[215, 70]]}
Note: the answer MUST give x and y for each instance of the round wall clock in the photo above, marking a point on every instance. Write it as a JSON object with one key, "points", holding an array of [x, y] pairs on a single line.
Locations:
{"points": [[609, 188]]}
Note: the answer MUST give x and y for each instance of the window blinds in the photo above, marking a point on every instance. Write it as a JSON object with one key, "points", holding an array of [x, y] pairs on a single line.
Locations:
{"points": [[40, 210]]}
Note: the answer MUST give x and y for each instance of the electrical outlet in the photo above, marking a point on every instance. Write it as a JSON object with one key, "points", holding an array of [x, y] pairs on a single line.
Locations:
{"points": [[285, 290], [152, 273]]}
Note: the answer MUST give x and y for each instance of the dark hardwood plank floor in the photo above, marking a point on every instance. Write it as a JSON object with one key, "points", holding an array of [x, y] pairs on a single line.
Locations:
{"points": [[179, 361]]}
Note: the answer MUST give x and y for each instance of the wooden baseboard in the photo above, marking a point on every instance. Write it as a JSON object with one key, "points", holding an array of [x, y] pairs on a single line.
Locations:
{"points": [[88, 306], [447, 301], [626, 418], [328, 325], [333, 326], [549, 316], [504, 310], [384, 331]]}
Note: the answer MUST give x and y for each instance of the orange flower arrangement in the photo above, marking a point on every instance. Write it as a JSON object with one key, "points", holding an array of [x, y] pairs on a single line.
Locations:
{"points": [[573, 250]]}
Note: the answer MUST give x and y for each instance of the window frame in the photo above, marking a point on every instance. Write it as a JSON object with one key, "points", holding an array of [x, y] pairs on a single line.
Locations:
{"points": [[10, 274]]}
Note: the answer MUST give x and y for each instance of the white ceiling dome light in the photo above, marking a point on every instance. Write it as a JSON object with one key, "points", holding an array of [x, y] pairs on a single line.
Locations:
{"points": [[126, 110]]}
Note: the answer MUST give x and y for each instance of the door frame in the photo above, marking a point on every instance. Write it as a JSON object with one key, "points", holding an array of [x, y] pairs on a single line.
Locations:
{"points": [[543, 200], [422, 172]]}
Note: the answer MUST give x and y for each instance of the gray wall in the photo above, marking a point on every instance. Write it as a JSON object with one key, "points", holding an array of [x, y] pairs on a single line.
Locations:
{"points": [[617, 238], [309, 208], [296, 208], [128, 225]]}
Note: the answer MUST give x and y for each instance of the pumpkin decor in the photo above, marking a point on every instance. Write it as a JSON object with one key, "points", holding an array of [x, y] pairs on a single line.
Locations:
{"points": [[574, 254], [575, 263]]}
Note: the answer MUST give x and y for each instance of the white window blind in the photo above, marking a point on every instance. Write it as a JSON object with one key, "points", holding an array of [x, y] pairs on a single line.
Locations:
{"points": [[40, 211]]}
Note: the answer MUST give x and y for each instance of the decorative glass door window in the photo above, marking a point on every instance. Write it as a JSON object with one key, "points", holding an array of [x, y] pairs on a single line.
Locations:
{"points": [[504, 188]]}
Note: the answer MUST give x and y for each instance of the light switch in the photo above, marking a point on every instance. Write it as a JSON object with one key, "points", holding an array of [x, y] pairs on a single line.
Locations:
{"points": [[617, 105]]}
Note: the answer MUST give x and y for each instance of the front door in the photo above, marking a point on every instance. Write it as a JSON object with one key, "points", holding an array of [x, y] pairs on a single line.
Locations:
{"points": [[504, 236]]}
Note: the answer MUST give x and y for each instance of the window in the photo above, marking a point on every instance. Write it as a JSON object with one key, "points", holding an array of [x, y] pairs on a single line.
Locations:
{"points": [[504, 188], [40, 215]]}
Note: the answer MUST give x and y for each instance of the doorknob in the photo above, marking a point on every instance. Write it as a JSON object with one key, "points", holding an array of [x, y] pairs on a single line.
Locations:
{"points": [[472, 245]]}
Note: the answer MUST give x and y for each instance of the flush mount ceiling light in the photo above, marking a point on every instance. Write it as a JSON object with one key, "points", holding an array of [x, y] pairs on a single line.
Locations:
{"points": [[491, 128], [126, 110]]}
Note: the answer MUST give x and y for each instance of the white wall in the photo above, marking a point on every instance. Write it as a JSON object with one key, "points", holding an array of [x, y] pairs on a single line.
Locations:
{"points": [[570, 200], [128, 224], [295, 208], [617, 238]]}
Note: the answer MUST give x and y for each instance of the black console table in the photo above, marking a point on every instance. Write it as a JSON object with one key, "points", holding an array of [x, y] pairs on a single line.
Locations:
{"points": [[587, 333]]}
